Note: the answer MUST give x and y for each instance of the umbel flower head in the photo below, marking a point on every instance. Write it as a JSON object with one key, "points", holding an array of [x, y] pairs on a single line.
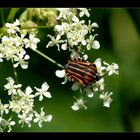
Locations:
{"points": [[14, 44], [77, 35], [83, 74], [22, 104]]}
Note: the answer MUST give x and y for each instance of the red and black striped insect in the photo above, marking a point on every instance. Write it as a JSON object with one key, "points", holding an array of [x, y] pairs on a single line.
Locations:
{"points": [[81, 71]]}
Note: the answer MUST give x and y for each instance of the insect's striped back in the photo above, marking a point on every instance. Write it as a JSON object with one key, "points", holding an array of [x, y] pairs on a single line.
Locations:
{"points": [[81, 71]]}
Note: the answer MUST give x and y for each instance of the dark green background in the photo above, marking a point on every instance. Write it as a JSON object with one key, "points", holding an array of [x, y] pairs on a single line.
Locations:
{"points": [[119, 37]]}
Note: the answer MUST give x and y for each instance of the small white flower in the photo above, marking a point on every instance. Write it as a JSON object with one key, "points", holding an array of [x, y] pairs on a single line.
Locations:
{"points": [[17, 41], [15, 106], [84, 11], [40, 118], [21, 60], [99, 85], [61, 74], [11, 86], [113, 68], [28, 106], [63, 28], [74, 54], [64, 13], [24, 118], [75, 19], [106, 98], [55, 41], [78, 104], [13, 27], [92, 43], [27, 95], [91, 26], [31, 42], [96, 44], [75, 87], [59, 28], [99, 67], [7, 123], [89, 91], [4, 108], [43, 91]]}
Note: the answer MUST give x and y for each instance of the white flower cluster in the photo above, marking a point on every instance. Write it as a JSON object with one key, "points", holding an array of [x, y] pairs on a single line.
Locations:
{"points": [[14, 43], [22, 105], [94, 87], [74, 33]]}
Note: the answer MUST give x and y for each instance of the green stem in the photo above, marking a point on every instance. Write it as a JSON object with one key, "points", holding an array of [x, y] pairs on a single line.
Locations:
{"points": [[48, 58], [15, 72], [12, 14], [2, 16], [37, 27]]}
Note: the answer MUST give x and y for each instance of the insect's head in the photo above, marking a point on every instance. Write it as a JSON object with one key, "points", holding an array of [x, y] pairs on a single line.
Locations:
{"points": [[66, 65]]}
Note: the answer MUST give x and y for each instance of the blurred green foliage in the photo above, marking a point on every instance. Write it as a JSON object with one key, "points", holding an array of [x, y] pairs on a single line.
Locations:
{"points": [[119, 36]]}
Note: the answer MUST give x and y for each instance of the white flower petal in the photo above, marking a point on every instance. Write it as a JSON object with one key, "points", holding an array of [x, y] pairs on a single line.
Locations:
{"points": [[37, 89], [40, 124], [59, 28], [16, 64], [29, 90], [96, 44], [75, 107], [84, 42], [81, 14], [75, 19], [107, 103], [75, 87], [48, 118], [26, 57], [64, 46], [10, 80], [98, 62], [36, 120], [45, 86], [24, 65], [16, 23], [95, 25], [110, 72], [65, 81], [74, 54], [85, 57], [40, 97], [12, 123], [101, 96], [60, 73], [116, 66], [89, 92], [37, 93], [47, 94]]}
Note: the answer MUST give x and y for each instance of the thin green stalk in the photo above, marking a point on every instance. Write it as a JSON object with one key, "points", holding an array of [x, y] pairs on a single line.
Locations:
{"points": [[2, 16], [48, 58], [12, 14], [15, 72], [36, 27]]}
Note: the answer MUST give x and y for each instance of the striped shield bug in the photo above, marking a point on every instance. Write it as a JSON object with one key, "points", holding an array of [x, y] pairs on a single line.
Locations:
{"points": [[81, 71]]}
